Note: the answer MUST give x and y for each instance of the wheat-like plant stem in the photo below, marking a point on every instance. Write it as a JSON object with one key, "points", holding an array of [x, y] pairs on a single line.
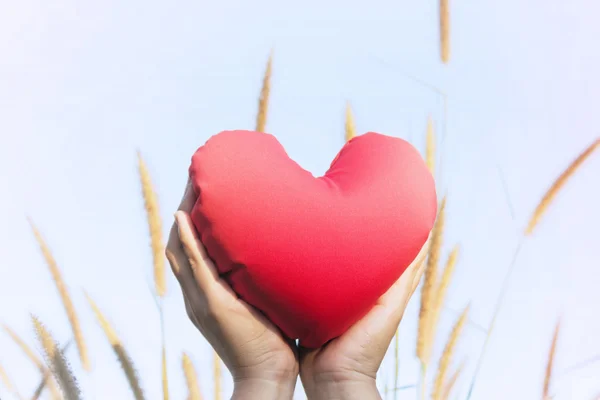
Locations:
{"points": [[263, 100], [65, 297], [165, 378], [533, 222], [550, 363], [349, 126], [10, 386], [217, 375], [445, 31], [47, 377], [119, 350], [558, 184], [451, 382], [57, 362], [54, 392], [191, 378], [440, 293], [154, 226], [447, 355], [430, 146], [423, 380], [429, 286]]}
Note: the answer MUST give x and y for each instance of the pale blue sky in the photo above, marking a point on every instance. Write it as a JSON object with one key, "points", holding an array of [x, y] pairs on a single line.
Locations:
{"points": [[85, 84]]}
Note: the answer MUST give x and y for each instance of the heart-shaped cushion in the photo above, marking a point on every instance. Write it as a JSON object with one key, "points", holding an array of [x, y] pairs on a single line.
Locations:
{"points": [[313, 254]]}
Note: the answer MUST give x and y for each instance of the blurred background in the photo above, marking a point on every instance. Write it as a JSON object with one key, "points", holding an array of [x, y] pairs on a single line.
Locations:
{"points": [[83, 85]]}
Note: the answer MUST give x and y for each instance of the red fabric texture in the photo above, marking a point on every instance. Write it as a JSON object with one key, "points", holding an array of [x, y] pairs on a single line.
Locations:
{"points": [[313, 254]]}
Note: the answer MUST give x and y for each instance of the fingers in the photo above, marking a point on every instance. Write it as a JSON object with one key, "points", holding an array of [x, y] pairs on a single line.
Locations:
{"points": [[181, 267], [200, 263], [187, 257], [189, 198]]}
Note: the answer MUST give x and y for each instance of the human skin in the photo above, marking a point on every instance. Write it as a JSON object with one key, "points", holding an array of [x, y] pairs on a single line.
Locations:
{"points": [[263, 363]]}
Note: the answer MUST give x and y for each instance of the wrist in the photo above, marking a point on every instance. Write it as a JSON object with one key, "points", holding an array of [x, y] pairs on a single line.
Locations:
{"points": [[346, 389], [263, 388]]}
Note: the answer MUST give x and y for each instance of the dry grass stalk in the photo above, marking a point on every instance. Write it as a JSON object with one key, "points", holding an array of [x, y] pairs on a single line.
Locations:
{"points": [[165, 377], [119, 350], [4, 378], [445, 31], [440, 293], [263, 100], [24, 347], [64, 296], [451, 382], [154, 226], [217, 375], [8, 384], [558, 185], [447, 355], [48, 379], [191, 378], [349, 127], [430, 146], [550, 364], [58, 363], [429, 286]]}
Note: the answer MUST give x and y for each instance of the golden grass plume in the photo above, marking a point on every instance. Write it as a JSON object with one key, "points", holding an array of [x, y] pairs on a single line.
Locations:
{"points": [[32, 356], [119, 350], [349, 127], [558, 184], [445, 31], [429, 286], [263, 100], [65, 297], [191, 378], [449, 385], [439, 295], [550, 363], [46, 379], [448, 353], [8, 384], [154, 226], [430, 146], [58, 363]]}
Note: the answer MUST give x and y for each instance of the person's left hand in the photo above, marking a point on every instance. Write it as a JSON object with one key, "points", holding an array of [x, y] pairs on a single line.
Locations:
{"points": [[262, 362]]}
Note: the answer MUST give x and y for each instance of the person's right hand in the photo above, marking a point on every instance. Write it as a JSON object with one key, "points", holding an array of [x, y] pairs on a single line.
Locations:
{"points": [[262, 362], [346, 367]]}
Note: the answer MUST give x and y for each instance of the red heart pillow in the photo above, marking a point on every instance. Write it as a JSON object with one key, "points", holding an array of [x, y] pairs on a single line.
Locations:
{"points": [[313, 254]]}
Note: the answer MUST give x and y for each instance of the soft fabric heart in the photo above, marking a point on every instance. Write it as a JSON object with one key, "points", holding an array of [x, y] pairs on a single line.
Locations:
{"points": [[313, 254]]}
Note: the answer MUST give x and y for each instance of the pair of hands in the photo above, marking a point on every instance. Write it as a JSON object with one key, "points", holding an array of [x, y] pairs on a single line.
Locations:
{"points": [[264, 364]]}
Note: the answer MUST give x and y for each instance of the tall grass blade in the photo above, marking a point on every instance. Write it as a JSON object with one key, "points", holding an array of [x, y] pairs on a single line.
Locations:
{"points": [[57, 362], [558, 184], [448, 354], [65, 297], [30, 354], [191, 378], [155, 228], [119, 350], [263, 100]]}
